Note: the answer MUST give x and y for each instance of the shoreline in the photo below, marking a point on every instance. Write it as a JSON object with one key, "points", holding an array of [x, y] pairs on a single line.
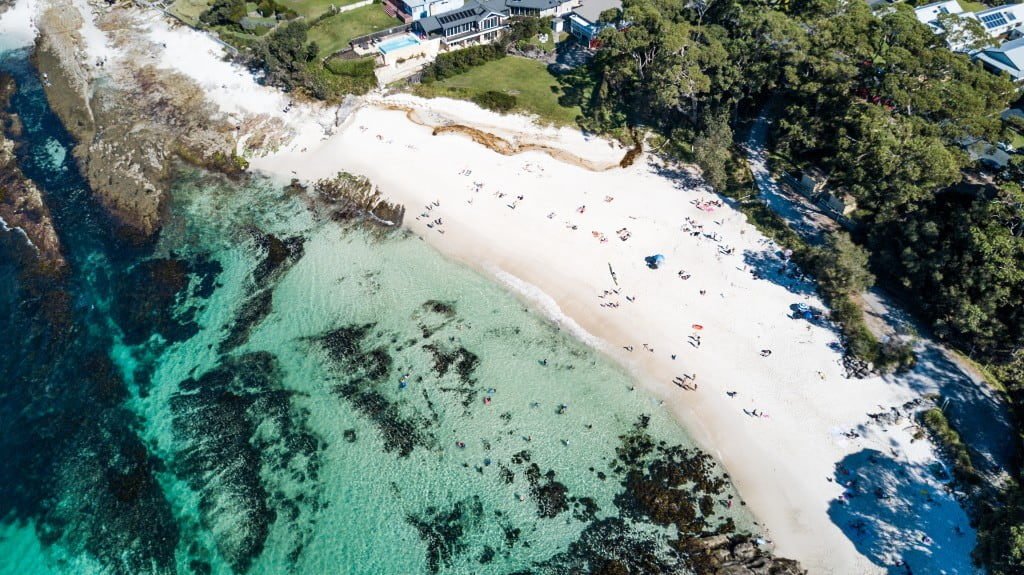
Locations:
{"points": [[780, 463]]}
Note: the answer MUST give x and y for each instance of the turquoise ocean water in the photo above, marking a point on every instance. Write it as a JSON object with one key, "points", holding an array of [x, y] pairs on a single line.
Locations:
{"points": [[265, 390]]}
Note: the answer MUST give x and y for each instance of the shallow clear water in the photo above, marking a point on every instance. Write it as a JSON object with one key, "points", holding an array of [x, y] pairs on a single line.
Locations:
{"points": [[266, 391]]}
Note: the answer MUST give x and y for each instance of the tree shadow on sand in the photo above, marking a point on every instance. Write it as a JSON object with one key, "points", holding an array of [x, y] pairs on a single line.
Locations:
{"points": [[980, 416], [768, 265], [900, 516]]}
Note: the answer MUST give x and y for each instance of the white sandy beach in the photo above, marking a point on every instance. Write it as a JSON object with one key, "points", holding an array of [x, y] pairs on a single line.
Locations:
{"points": [[778, 461], [519, 218]]}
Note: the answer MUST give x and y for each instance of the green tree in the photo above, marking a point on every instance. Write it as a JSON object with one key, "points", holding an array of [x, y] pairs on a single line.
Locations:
{"points": [[224, 13], [711, 151], [842, 268]]}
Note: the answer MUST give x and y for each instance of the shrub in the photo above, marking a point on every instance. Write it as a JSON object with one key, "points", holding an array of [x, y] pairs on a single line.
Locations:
{"points": [[454, 63], [224, 13], [948, 438], [496, 101], [340, 77]]}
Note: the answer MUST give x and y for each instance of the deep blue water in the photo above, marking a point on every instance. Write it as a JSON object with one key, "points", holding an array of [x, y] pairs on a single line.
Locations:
{"points": [[72, 460]]}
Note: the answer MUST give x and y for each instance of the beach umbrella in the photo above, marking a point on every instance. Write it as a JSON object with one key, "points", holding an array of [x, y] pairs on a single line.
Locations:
{"points": [[654, 261]]}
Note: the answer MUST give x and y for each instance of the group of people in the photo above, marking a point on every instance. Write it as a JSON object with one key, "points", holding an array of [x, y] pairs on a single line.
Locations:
{"points": [[435, 223]]}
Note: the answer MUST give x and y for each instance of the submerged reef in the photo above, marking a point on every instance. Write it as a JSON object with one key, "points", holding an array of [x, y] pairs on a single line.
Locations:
{"points": [[240, 440]]}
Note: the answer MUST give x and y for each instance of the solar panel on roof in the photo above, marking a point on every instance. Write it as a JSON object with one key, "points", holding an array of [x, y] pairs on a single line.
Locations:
{"points": [[446, 18], [993, 20]]}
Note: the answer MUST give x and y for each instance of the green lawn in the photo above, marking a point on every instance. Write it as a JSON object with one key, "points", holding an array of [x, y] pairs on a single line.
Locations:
{"points": [[313, 8], [189, 10], [973, 6], [333, 34], [536, 90], [1017, 141]]}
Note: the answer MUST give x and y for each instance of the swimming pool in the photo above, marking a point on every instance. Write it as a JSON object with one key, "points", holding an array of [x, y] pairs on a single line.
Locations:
{"points": [[398, 43]]}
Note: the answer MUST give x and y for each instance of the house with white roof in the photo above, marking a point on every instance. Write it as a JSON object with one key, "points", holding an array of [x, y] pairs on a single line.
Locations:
{"points": [[409, 10], [1008, 58], [947, 17], [929, 13], [1001, 19]]}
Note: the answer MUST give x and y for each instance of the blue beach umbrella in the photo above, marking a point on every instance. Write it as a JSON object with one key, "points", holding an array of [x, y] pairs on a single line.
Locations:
{"points": [[654, 261]]}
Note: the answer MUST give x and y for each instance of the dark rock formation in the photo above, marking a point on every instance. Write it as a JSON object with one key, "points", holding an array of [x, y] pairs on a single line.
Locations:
{"points": [[346, 197], [443, 531], [363, 369], [222, 454], [22, 208], [130, 121], [155, 294], [724, 555]]}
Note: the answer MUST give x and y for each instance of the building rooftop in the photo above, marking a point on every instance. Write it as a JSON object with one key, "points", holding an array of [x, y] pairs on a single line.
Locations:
{"points": [[591, 9], [1000, 15], [535, 4], [471, 11], [929, 13], [1009, 57]]}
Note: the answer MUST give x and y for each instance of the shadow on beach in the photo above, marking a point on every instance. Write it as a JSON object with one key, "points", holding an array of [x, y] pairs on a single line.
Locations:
{"points": [[980, 416], [899, 516], [767, 265]]}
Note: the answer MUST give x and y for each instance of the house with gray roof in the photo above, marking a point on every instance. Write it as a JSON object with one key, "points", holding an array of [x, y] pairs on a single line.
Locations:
{"points": [[1008, 58], [477, 21]]}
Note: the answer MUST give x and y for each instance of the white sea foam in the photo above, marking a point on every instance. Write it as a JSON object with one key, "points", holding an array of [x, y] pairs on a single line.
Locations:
{"points": [[17, 25], [547, 306]]}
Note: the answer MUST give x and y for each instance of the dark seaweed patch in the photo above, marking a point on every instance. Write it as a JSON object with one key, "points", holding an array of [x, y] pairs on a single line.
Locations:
{"points": [[229, 424], [663, 486], [279, 254], [550, 496], [443, 531], [444, 308], [430, 325], [364, 369], [253, 311], [153, 297], [609, 546], [465, 363]]}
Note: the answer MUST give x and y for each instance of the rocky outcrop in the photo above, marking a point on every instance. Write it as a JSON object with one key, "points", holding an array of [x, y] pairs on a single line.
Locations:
{"points": [[724, 555], [130, 120], [347, 197], [22, 209]]}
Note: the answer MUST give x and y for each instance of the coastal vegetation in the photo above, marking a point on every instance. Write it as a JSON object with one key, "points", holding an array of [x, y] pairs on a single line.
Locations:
{"points": [[528, 85], [451, 64]]}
